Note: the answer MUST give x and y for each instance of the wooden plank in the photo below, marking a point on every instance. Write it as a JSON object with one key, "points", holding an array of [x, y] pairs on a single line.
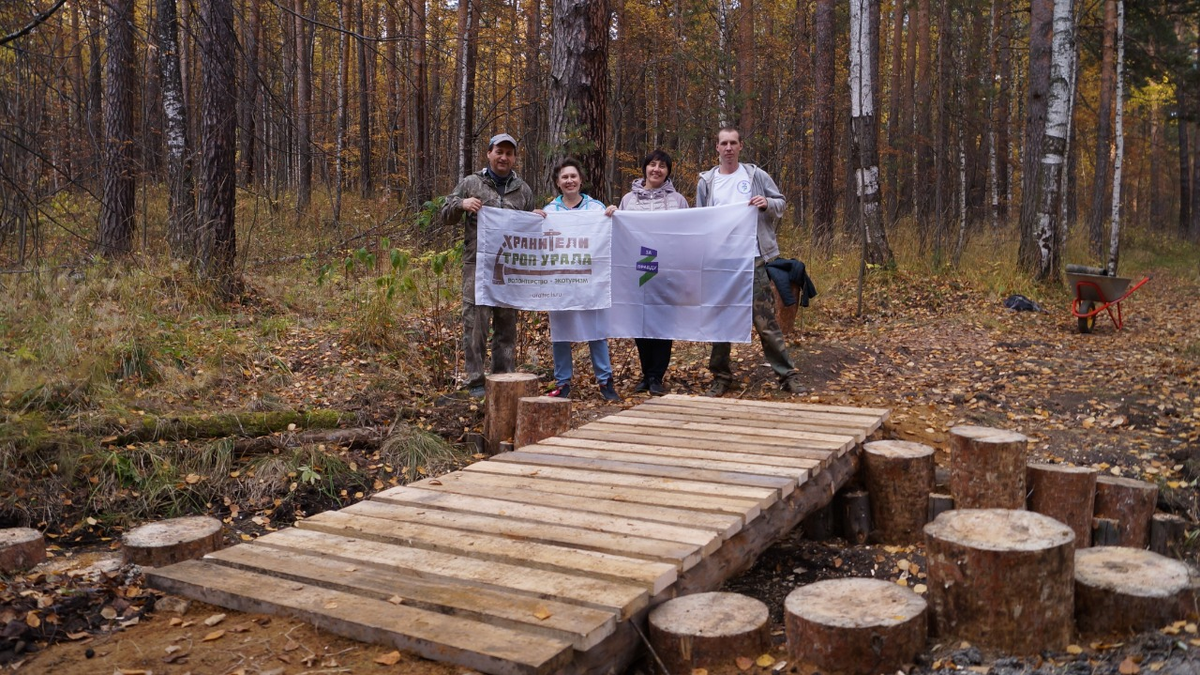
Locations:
{"points": [[471, 644], [682, 555], [529, 455], [809, 439], [723, 523], [718, 408], [655, 576], [784, 458], [882, 413], [631, 435], [583, 627], [746, 509], [563, 446], [765, 497], [707, 540], [775, 423], [624, 599], [718, 433]]}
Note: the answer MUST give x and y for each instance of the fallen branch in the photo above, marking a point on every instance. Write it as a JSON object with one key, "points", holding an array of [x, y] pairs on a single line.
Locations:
{"points": [[360, 437]]}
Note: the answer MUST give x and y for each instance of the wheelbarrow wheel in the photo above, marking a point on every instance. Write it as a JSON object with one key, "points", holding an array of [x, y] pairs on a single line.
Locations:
{"points": [[1086, 323]]}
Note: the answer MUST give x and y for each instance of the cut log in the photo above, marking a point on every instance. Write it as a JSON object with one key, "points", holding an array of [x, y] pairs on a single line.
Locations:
{"points": [[1106, 532], [1066, 494], [899, 477], [820, 525], [987, 468], [20, 549], [1129, 502], [1126, 590], [1001, 579], [1167, 533], [170, 541], [500, 406], [939, 504], [855, 511], [708, 630], [540, 417], [855, 626]]}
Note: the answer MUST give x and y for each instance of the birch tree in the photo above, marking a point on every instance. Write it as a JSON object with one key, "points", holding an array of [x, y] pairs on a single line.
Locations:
{"points": [[1114, 237], [181, 210], [864, 60], [1054, 143]]}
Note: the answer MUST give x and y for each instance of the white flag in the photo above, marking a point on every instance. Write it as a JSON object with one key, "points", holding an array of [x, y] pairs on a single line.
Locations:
{"points": [[562, 261], [685, 274]]}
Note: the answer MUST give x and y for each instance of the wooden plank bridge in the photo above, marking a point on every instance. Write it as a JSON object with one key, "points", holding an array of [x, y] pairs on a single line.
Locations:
{"points": [[546, 560]]}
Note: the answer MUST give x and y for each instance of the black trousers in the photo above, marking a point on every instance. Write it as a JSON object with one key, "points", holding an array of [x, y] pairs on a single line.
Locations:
{"points": [[655, 356]]}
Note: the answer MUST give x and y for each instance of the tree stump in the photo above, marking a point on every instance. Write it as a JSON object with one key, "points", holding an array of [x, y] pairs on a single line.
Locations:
{"points": [[987, 468], [1066, 494], [1167, 532], [708, 630], [854, 509], [1001, 579], [1126, 590], [939, 504], [820, 525], [500, 406], [170, 541], [20, 549], [899, 476], [1129, 502], [856, 626], [1106, 532], [540, 417]]}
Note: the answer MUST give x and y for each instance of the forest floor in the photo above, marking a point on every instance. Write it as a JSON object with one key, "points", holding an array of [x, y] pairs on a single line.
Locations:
{"points": [[938, 352]]}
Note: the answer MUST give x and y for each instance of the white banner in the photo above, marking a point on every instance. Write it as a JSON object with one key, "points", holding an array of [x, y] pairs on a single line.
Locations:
{"points": [[685, 274], [559, 262]]}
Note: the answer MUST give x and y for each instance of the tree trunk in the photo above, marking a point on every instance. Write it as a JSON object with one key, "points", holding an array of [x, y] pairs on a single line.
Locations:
{"points": [[216, 241], [1003, 175], [923, 132], [343, 77], [303, 107], [894, 142], [1047, 264], [120, 185], [823, 198], [1185, 172], [531, 142], [746, 51], [422, 188], [249, 102], [1104, 112], [1038, 91], [1114, 235], [366, 68], [579, 85], [864, 61], [181, 214]]}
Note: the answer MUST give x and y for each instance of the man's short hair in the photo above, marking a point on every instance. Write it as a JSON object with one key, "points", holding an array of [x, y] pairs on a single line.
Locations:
{"points": [[501, 138], [730, 127], [657, 155]]}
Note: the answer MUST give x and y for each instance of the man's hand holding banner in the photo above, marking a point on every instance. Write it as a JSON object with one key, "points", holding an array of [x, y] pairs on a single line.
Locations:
{"points": [[683, 274]]}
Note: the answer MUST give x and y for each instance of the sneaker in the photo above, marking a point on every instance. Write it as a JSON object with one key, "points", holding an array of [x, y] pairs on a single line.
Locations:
{"points": [[609, 392], [642, 387], [477, 391], [656, 387], [793, 385], [718, 388], [563, 391]]}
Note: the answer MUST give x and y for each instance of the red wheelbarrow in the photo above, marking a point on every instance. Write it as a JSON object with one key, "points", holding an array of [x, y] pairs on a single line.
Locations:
{"points": [[1095, 292]]}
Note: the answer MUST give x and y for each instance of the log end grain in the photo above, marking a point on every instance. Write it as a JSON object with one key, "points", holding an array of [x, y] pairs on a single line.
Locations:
{"points": [[20, 549], [1127, 590], [709, 630], [999, 530], [857, 626], [893, 449], [170, 541], [987, 434]]}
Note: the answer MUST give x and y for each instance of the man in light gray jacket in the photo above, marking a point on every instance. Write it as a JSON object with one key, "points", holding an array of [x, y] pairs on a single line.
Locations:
{"points": [[732, 182]]}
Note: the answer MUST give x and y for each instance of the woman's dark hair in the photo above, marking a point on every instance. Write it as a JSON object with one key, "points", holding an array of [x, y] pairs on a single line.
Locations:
{"points": [[658, 155], [570, 161]]}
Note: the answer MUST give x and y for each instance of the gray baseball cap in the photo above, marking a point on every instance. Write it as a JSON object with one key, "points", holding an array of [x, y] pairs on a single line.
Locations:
{"points": [[501, 138]]}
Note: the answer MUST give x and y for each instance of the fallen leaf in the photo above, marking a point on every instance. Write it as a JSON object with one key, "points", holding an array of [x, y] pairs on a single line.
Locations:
{"points": [[920, 588], [1128, 667], [192, 478], [541, 613], [33, 620], [1074, 649], [765, 661], [171, 649], [108, 612], [744, 663], [175, 621], [396, 600], [699, 671], [214, 620], [215, 635], [331, 605], [389, 659]]}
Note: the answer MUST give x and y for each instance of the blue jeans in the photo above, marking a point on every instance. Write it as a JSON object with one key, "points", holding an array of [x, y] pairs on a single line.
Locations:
{"points": [[564, 368]]}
